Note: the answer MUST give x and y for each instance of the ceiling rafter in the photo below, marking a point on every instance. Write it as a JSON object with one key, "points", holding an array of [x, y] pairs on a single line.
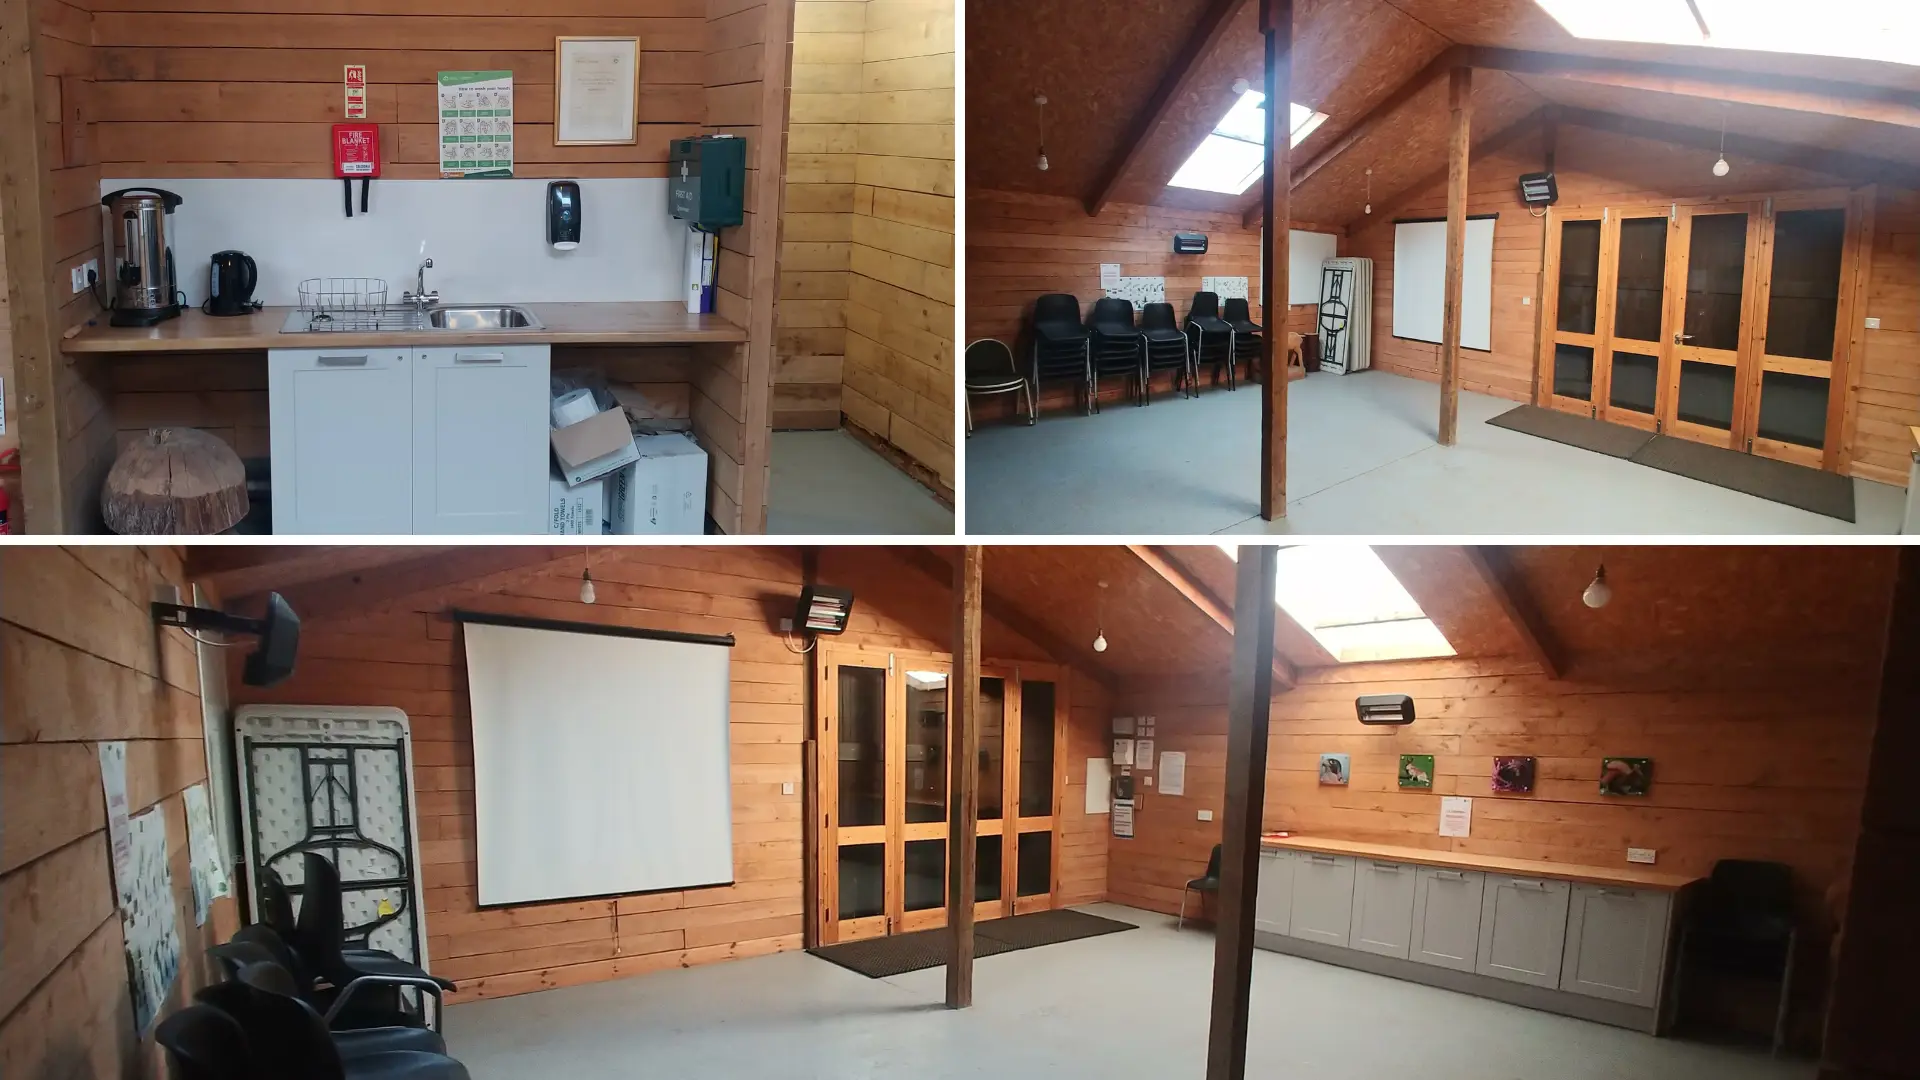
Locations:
{"points": [[1492, 144], [1210, 605], [1509, 594], [1843, 163], [1000, 610]]}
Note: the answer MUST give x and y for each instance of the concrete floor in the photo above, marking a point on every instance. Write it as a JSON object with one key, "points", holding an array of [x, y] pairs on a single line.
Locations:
{"points": [[1126, 1005], [1361, 459], [828, 483]]}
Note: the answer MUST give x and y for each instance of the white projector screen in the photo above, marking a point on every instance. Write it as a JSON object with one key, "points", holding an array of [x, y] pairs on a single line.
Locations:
{"points": [[1307, 253], [1420, 282], [600, 763]]}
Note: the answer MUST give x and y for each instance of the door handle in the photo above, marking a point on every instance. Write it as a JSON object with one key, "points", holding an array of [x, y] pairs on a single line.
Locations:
{"points": [[343, 361], [479, 358], [1327, 859], [1681, 339], [1532, 886], [1449, 875], [1389, 868]]}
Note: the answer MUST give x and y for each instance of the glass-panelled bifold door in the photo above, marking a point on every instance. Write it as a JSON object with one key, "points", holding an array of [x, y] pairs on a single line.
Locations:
{"points": [[881, 773], [1725, 322]]}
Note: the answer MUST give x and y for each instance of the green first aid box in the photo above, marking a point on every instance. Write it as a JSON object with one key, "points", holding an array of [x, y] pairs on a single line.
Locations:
{"points": [[707, 179]]}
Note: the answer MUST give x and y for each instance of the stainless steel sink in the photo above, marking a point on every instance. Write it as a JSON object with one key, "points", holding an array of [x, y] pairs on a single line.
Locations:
{"points": [[483, 317]]}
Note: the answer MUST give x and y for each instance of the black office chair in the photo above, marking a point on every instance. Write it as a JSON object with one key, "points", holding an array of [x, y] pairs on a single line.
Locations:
{"points": [[991, 369], [323, 938], [204, 1043], [290, 1041], [1062, 345], [1118, 347], [1742, 924], [1207, 884], [1204, 326], [1167, 347], [1246, 333]]}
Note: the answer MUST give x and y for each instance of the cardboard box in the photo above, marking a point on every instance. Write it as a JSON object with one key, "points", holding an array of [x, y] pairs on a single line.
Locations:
{"points": [[662, 493], [655, 407], [595, 446], [576, 509]]}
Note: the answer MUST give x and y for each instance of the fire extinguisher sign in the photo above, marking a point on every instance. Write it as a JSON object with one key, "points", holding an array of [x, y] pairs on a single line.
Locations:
{"points": [[356, 80]]}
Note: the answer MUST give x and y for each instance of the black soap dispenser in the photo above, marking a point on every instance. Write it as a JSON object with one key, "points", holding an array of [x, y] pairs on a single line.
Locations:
{"points": [[563, 214]]}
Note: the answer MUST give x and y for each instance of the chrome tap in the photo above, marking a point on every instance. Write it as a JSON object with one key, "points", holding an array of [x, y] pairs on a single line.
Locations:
{"points": [[420, 297]]}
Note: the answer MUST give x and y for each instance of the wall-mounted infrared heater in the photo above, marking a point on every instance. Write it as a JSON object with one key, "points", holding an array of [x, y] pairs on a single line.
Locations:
{"points": [[1189, 243], [1539, 189], [277, 633], [1395, 709], [824, 609]]}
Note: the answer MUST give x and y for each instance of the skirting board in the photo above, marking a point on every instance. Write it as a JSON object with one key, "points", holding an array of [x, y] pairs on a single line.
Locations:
{"points": [[1579, 1006]]}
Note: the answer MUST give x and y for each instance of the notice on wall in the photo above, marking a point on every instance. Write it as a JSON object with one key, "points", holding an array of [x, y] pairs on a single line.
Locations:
{"points": [[1109, 275], [356, 84], [1138, 291], [1099, 786], [203, 854], [1123, 752], [113, 784], [1227, 288], [1123, 725], [1143, 754], [476, 124], [147, 917], [1173, 772], [1456, 816], [1123, 818]]}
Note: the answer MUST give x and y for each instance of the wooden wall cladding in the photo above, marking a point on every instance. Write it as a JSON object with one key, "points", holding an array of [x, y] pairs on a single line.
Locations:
{"points": [[897, 382], [81, 663], [394, 645]]}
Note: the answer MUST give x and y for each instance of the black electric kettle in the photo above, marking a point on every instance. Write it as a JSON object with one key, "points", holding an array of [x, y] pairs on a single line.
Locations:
{"points": [[230, 283]]}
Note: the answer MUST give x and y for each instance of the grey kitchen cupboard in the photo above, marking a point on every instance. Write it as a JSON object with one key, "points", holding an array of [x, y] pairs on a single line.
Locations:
{"points": [[1322, 898], [1523, 929], [1273, 902], [1616, 943], [1383, 907], [1446, 917], [409, 440]]}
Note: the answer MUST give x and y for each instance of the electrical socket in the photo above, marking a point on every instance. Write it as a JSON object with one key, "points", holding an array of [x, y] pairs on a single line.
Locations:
{"points": [[1206, 815], [83, 273], [1640, 855], [786, 626], [1873, 324]]}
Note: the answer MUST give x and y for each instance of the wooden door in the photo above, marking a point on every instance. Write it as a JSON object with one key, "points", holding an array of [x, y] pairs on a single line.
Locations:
{"points": [[1810, 247], [1575, 314], [1636, 280], [855, 744], [1707, 383]]}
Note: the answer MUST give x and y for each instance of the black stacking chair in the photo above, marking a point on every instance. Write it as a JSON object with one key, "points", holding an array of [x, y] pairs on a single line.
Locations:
{"points": [[204, 1043], [1210, 883], [1212, 337], [323, 938], [1118, 347], [1246, 332], [265, 975], [344, 1007], [991, 369], [288, 1040], [1167, 347], [276, 903], [1742, 924], [1062, 345]]}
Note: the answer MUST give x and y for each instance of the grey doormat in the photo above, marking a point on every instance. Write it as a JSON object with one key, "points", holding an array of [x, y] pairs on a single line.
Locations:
{"points": [[1613, 440], [878, 958], [1778, 481]]}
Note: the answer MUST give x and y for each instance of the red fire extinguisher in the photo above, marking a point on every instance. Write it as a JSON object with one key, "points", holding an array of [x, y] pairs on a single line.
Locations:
{"points": [[9, 467]]}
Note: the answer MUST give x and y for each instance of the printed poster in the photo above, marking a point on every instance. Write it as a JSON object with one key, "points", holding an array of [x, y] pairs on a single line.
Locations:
{"points": [[1456, 815], [1123, 818], [146, 913], [113, 784], [476, 124], [203, 854], [1173, 772]]}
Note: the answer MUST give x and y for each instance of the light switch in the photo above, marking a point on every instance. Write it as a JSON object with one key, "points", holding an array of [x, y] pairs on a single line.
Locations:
{"points": [[1526, 301], [1873, 324], [1206, 815], [786, 788], [1640, 855]]}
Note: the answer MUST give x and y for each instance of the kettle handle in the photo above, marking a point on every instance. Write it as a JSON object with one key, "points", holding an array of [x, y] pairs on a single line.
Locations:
{"points": [[252, 274], [171, 200]]}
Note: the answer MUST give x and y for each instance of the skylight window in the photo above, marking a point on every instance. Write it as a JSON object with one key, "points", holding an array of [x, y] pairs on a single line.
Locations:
{"points": [[1234, 155], [1352, 604], [1886, 30]]}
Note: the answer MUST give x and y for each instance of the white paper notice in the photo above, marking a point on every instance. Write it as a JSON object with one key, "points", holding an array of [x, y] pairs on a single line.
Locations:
{"points": [[1143, 754], [113, 782], [1123, 818], [1123, 751], [1099, 786], [476, 123], [1109, 275], [1456, 815], [203, 854], [1173, 772], [147, 916]]}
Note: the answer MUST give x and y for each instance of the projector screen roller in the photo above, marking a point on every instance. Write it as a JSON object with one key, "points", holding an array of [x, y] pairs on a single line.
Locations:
{"points": [[600, 763], [1420, 282]]}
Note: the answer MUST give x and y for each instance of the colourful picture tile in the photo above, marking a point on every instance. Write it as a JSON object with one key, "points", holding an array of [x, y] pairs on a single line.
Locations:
{"points": [[1625, 775], [1513, 775], [1416, 771], [1335, 769]]}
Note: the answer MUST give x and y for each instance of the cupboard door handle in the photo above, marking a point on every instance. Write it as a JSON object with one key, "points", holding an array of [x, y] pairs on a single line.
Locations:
{"points": [[1390, 868], [1328, 859], [1623, 894], [479, 358], [343, 361], [1449, 875], [1535, 886]]}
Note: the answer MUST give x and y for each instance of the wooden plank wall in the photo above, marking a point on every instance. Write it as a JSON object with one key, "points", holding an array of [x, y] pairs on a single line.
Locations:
{"points": [[822, 145], [404, 651], [1082, 836], [81, 663], [1601, 168], [897, 382]]}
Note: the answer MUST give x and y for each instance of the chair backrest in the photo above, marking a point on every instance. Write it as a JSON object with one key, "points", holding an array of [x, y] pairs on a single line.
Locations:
{"points": [[1213, 862], [1113, 309], [1158, 317], [237, 954], [1236, 310], [1205, 305], [323, 930], [288, 1039], [276, 903], [990, 357], [259, 941], [1743, 888], [204, 1043], [1057, 307]]}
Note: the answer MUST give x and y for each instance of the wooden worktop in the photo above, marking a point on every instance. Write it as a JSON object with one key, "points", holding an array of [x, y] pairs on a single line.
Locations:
{"points": [[657, 322], [1623, 876], [1914, 433]]}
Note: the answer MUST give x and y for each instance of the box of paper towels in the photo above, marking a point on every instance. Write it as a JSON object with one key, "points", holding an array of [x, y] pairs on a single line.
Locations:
{"points": [[664, 492]]}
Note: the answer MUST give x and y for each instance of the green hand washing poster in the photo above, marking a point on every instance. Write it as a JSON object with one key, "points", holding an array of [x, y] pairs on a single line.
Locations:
{"points": [[476, 124]]}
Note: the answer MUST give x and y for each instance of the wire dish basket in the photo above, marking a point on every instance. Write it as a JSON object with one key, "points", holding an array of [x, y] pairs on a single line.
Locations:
{"points": [[325, 296]]}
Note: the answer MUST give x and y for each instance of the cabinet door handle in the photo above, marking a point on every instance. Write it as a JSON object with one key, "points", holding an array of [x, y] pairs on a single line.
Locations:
{"points": [[1535, 886], [479, 358], [1387, 867], [1449, 875], [343, 361], [1623, 894], [1328, 859]]}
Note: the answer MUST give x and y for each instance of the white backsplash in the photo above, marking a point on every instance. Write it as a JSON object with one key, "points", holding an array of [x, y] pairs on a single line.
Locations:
{"points": [[487, 238]]}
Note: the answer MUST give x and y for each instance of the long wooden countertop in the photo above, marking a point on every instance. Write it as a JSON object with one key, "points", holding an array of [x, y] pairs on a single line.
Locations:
{"points": [[1624, 877], [654, 322]]}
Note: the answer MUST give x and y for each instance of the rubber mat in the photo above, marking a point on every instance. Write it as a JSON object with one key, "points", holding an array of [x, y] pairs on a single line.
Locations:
{"points": [[1778, 481], [1613, 440], [879, 958]]}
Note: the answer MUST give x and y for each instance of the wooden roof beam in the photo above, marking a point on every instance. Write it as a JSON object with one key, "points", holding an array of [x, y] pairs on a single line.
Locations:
{"points": [[1510, 595], [1843, 163], [1492, 144], [1284, 673], [1010, 616], [1207, 32]]}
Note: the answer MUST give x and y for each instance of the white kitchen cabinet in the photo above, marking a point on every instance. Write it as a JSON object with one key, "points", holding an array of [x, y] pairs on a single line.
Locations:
{"points": [[1273, 902], [1446, 917], [1383, 907], [480, 422], [341, 435], [1616, 943], [1523, 929], [1322, 898]]}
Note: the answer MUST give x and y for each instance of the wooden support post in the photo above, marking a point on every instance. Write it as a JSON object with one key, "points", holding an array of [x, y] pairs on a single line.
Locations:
{"points": [[1460, 100], [963, 775], [1249, 699], [1276, 188]]}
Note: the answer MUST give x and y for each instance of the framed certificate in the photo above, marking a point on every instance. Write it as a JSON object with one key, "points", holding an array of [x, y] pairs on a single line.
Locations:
{"points": [[596, 97]]}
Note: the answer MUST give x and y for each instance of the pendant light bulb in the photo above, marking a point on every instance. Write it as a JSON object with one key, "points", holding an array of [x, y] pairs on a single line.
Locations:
{"points": [[1042, 163], [1040, 105], [1100, 618], [1099, 641], [586, 587], [1598, 592], [1721, 168], [1240, 87]]}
